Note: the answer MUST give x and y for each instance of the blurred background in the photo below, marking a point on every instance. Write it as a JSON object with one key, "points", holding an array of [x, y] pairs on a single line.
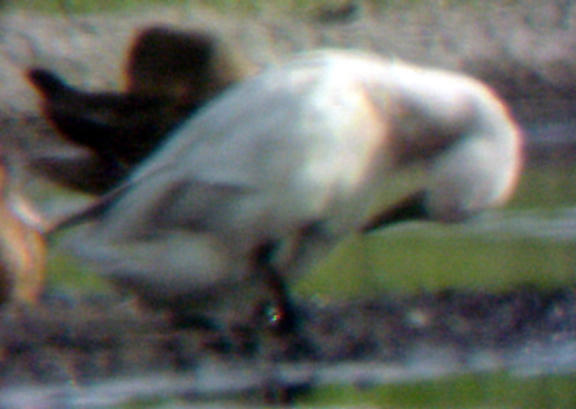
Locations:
{"points": [[523, 48]]}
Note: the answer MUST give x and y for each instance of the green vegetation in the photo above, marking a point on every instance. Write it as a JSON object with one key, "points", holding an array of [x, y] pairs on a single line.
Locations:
{"points": [[84, 6], [90, 6], [70, 274], [477, 391], [474, 391], [546, 186], [232, 6], [434, 258]]}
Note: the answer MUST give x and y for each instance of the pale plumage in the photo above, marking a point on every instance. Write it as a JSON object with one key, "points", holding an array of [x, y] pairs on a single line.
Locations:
{"points": [[269, 176]]}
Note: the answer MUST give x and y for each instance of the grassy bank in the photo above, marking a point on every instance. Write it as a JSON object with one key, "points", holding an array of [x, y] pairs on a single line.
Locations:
{"points": [[241, 6], [476, 391]]}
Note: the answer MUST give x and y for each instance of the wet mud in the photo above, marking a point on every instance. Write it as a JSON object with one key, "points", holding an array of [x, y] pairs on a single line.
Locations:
{"points": [[100, 337]]}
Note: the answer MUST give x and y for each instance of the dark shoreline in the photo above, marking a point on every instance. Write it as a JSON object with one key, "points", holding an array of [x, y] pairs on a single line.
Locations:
{"points": [[100, 337]]}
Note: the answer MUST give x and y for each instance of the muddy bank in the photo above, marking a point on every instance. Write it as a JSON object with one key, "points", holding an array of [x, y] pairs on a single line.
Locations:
{"points": [[101, 337]]}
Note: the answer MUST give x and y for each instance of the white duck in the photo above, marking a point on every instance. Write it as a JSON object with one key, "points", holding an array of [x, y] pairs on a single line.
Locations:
{"points": [[268, 177]]}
